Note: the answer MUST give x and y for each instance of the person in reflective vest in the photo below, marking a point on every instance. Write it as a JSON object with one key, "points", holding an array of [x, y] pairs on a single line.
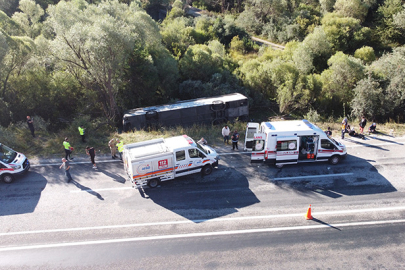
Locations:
{"points": [[120, 145], [81, 131], [68, 149]]}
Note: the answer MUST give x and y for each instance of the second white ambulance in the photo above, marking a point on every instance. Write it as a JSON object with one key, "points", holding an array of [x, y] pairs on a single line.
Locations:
{"points": [[291, 142]]}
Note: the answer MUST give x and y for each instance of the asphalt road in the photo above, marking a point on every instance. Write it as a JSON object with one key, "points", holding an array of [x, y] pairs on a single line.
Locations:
{"points": [[242, 215]]}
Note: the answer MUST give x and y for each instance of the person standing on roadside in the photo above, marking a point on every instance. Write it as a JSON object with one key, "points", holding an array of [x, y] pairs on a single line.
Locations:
{"points": [[329, 132], [225, 134], [68, 149], [30, 123], [344, 127], [363, 123], [235, 139], [92, 153], [66, 167], [120, 145], [113, 147], [82, 131]]}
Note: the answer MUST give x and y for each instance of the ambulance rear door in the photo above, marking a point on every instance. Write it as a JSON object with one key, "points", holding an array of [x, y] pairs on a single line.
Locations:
{"points": [[258, 147], [287, 150], [251, 129]]}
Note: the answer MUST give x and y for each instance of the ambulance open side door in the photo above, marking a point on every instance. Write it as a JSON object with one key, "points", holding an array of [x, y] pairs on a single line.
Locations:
{"points": [[251, 129], [258, 147], [287, 151]]}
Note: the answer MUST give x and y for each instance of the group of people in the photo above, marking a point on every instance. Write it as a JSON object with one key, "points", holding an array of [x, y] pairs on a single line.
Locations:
{"points": [[234, 138], [225, 134], [363, 122], [114, 145]]}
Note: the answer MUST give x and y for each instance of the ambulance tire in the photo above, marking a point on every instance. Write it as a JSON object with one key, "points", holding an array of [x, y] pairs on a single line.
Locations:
{"points": [[334, 160], [7, 178], [153, 183], [207, 169]]}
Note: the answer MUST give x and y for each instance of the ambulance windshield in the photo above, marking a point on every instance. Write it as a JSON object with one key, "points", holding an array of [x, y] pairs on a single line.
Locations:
{"points": [[7, 155], [202, 148]]}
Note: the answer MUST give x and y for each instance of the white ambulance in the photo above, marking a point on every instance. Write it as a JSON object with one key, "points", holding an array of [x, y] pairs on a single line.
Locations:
{"points": [[11, 164], [153, 161], [291, 142]]}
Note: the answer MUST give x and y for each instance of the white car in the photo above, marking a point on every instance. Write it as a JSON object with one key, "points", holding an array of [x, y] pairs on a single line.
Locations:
{"points": [[11, 164]]}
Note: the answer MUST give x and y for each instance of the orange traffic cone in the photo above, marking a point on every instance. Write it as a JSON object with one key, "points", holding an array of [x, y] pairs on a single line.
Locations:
{"points": [[309, 216]]}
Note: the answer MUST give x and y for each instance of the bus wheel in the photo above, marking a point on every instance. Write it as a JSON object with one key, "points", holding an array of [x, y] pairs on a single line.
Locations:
{"points": [[7, 178], [207, 169], [334, 160], [153, 183]]}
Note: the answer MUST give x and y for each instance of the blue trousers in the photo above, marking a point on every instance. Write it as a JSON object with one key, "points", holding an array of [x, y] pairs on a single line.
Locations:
{"points": [[67, 173]]}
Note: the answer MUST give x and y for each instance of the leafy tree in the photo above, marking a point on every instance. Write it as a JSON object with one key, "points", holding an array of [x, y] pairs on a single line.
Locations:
{"points": [[19, 52], [327, 5], [368, 99], [94, 42], [399, 19], [389, 70], [199, 63], [9, 26], [366, 54], [30, 17], [352, 8], [386, 29], [308, 18], [344, 33], [312, 53], [176, 35], [340, 79]]}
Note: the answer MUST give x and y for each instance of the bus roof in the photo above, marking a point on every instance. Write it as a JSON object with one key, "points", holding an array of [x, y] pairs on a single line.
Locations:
{"points": [[188, 104]]}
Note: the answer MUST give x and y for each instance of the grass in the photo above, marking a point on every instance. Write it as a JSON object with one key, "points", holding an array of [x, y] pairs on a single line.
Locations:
{"points": [[48, 144]]}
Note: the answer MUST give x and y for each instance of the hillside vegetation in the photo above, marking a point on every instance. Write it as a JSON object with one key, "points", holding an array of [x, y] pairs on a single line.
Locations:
{"points": [[65, 60]]}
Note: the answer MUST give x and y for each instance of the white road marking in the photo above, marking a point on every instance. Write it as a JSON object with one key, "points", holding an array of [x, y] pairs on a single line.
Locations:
{"points": [[74, 162], [190, 235], [100, 189], [196, 221], [313, 176]]}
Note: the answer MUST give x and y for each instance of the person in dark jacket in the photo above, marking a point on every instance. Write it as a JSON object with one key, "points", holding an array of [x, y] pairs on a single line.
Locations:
{"points": [[362, 124], [235, 139], [372, 128], [30, 123], [92, 153]]}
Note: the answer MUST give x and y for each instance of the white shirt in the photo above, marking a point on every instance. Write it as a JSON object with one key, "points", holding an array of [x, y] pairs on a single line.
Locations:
{"points": [[225, 131]]}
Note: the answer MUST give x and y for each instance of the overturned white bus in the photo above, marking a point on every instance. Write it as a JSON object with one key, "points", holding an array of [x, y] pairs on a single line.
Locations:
{"points": [[212, 110]]}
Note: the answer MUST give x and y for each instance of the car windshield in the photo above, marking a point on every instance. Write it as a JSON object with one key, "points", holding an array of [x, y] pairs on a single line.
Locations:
{"points": [[202, 149], [7, 155]]}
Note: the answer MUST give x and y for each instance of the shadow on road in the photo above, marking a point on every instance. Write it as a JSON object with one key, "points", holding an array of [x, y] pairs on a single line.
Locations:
{"points": [[324, 223], [21, 196], [197, 197], [87, 189], [353, 176]]}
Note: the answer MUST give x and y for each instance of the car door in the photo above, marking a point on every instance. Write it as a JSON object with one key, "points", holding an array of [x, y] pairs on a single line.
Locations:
{"points": [[183, 163]]}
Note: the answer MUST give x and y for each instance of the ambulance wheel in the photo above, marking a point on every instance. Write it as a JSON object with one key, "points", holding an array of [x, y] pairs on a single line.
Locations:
{"points": [[279, 166], [334, 160], [7, 178], [153, 183], [207, 169]]}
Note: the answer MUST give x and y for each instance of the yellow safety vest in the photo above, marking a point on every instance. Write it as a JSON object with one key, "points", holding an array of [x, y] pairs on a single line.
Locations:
{"points": [[120, 146], [81, 130], [66, 145]]}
